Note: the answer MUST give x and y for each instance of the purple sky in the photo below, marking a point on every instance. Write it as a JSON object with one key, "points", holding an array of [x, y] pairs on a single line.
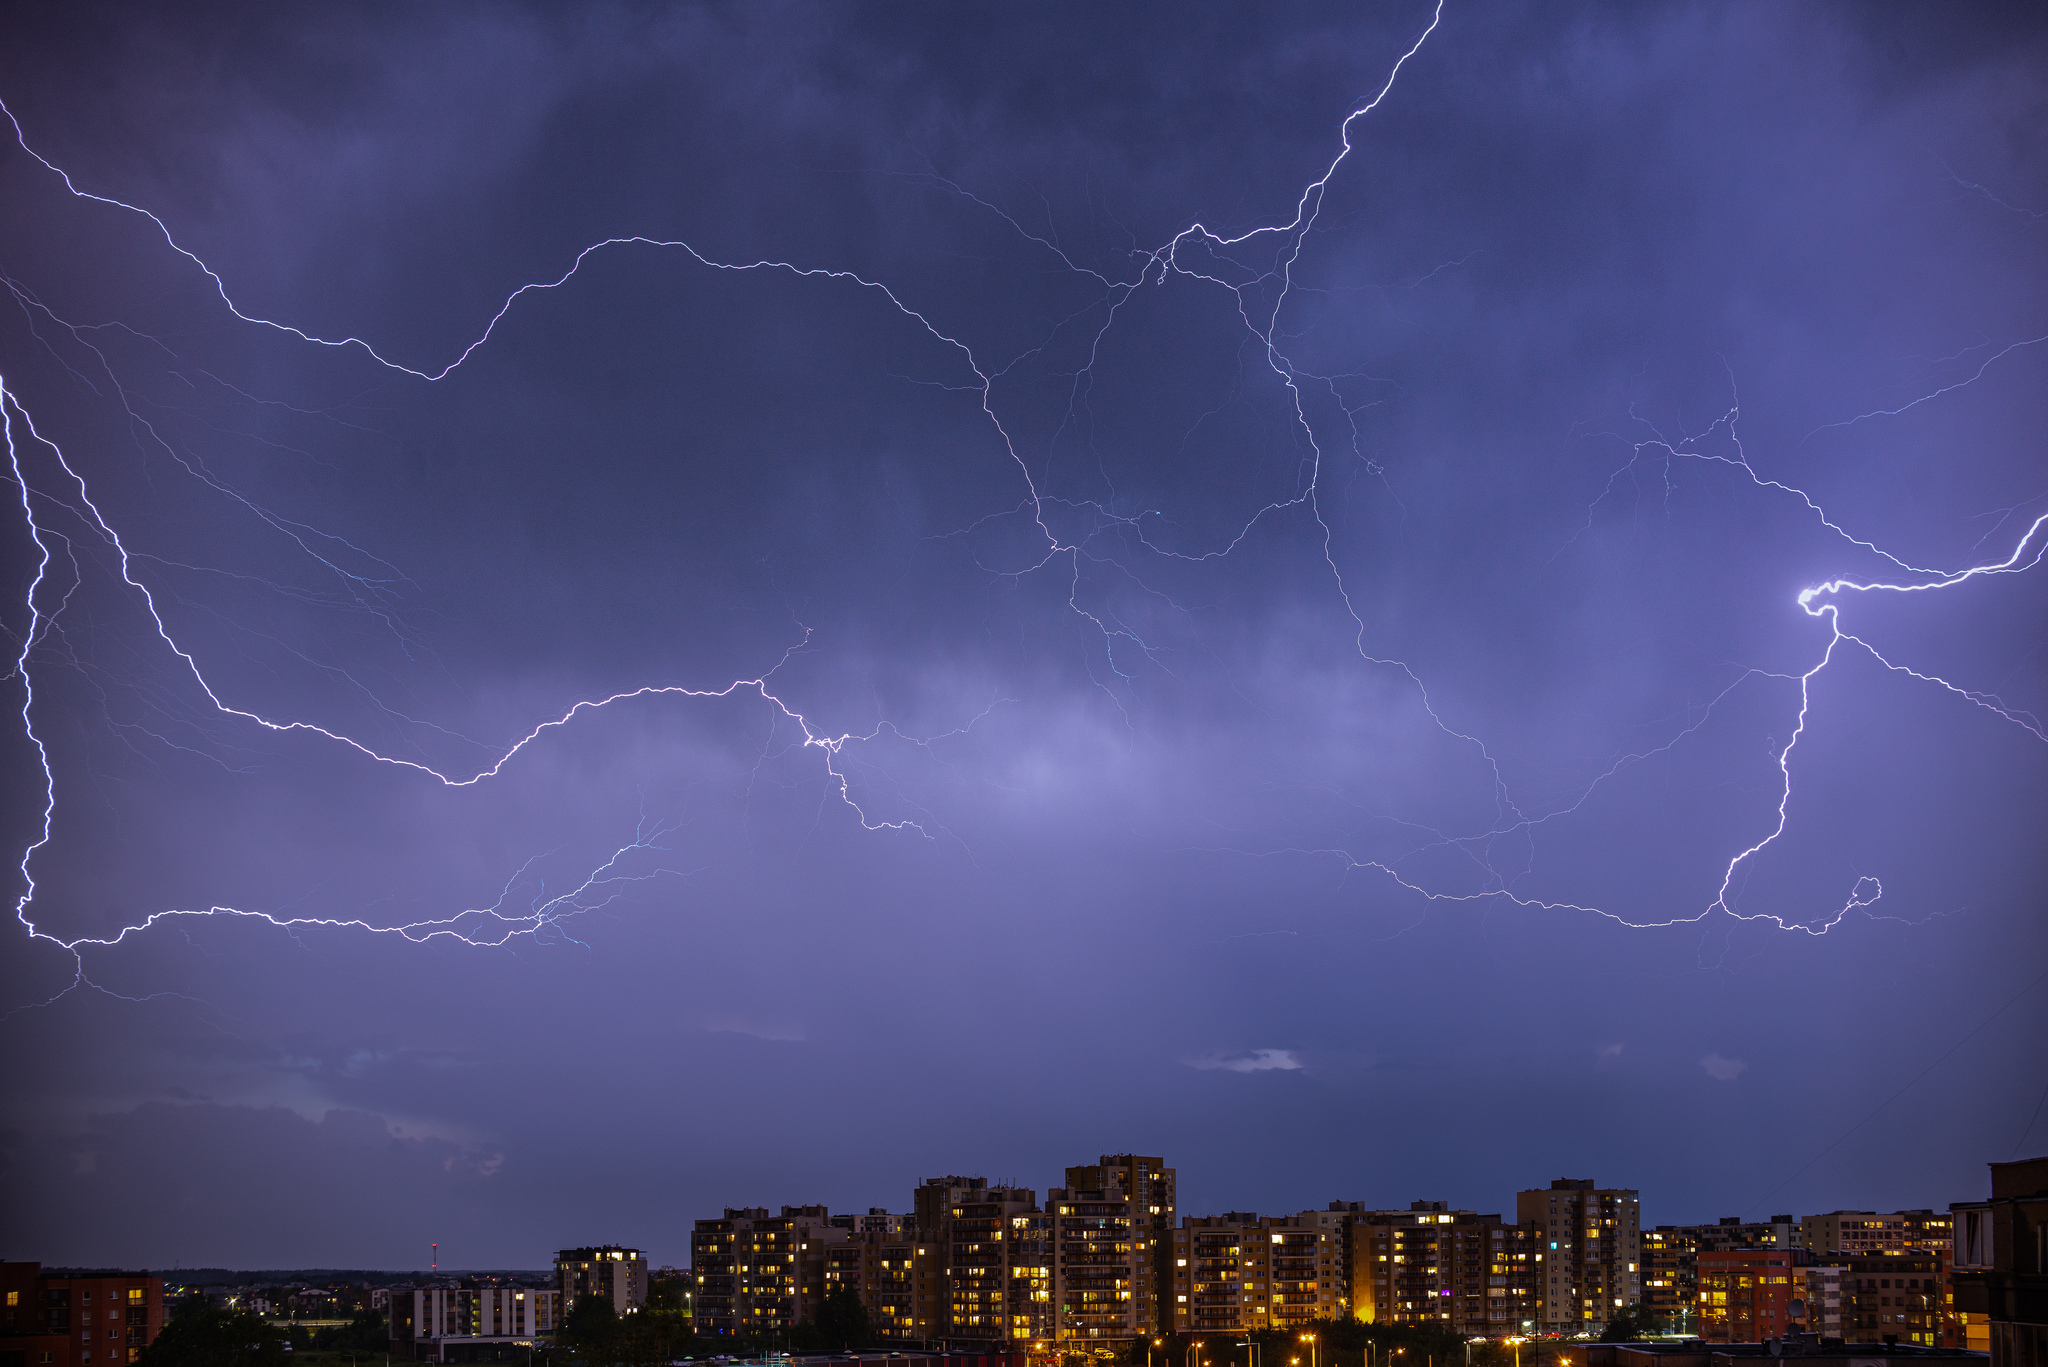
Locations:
{"points": [[1309, 674]]}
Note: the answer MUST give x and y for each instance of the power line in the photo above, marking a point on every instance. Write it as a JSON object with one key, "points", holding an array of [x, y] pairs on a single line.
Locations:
{"points": [[1907, 1088]]}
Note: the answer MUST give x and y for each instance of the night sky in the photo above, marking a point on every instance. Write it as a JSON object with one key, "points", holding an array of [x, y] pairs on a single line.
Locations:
{"points": [[1179, 638]]}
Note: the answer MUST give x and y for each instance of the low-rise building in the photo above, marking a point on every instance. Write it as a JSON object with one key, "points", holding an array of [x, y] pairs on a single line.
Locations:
{"points": [[472, 1321], [83, 1321], [2001, 1265], [1810, 1350]]}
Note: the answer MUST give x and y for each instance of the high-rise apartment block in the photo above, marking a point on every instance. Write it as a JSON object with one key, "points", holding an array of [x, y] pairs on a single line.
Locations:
{"points": [[617, 1274], [1430, 1264], [1590, 1242], [1237, 1272], [1108, 1225], [900, 1277], [1670, 1265], [971, 1263], [759, 1273], [996, 1247]]}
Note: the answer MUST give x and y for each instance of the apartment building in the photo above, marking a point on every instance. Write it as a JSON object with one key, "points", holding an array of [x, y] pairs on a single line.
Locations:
{"points": [[1111, 1227], [615, 1273], [876, 1221], [90, 1320], [1670, 1266], [1824, 1300], [2001, 1266], [1239, 1272], [901, 1278], [1747, 1295], [1590, 1242], [1851, 1233], [1430, 1264], [997, 1255], [1894, 1296], [474, 1321], [759, 1273], [1732, 1231]]}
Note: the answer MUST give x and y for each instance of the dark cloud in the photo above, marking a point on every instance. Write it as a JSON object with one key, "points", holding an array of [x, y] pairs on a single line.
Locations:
{"points": [[1139, 845]]}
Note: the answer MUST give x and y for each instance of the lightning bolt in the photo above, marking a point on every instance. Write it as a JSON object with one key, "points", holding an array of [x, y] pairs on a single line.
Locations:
{"points": [[1256, 266]]}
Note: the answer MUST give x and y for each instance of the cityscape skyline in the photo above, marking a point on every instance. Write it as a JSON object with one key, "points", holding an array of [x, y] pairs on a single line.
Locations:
{"points": [[623, 610]]}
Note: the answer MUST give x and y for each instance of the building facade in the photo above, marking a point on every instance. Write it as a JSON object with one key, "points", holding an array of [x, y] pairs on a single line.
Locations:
{"points": [[1824, 1300], [1670, 1265], [901, 1282], [2001, 1265], [760, 1274], [1430, 1264], [86, 1321], [1589, 1240], [1851, 1233], [617, 1274], [1239, 1272], [472, 1323], [997, 1259], [1747, 1295], [1894, 1297], [1111, 1229]]}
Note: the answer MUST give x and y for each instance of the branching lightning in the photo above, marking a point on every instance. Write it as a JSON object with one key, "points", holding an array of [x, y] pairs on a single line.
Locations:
{"points": [[1196, 255]]}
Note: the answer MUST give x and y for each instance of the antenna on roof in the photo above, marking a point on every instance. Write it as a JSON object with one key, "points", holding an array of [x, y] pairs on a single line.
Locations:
{"points": [[437, 1257]]}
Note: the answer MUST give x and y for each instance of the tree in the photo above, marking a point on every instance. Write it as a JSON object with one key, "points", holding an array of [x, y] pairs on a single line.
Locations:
{"points": [[842, 1322], [216, 1338], [366, 1333], [1626, 1327], [590, 1327]]}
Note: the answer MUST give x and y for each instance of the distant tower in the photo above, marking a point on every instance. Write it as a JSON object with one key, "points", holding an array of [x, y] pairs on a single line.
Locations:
{"points": [[437, 1257]]}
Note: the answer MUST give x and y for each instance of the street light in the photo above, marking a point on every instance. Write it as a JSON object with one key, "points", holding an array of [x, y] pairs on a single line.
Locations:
{"points": [[1310, 1340]]}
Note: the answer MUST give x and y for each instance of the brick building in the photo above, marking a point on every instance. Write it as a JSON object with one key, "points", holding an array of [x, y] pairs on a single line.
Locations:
{"points": [[84, 1321], [1747, 1295]]}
